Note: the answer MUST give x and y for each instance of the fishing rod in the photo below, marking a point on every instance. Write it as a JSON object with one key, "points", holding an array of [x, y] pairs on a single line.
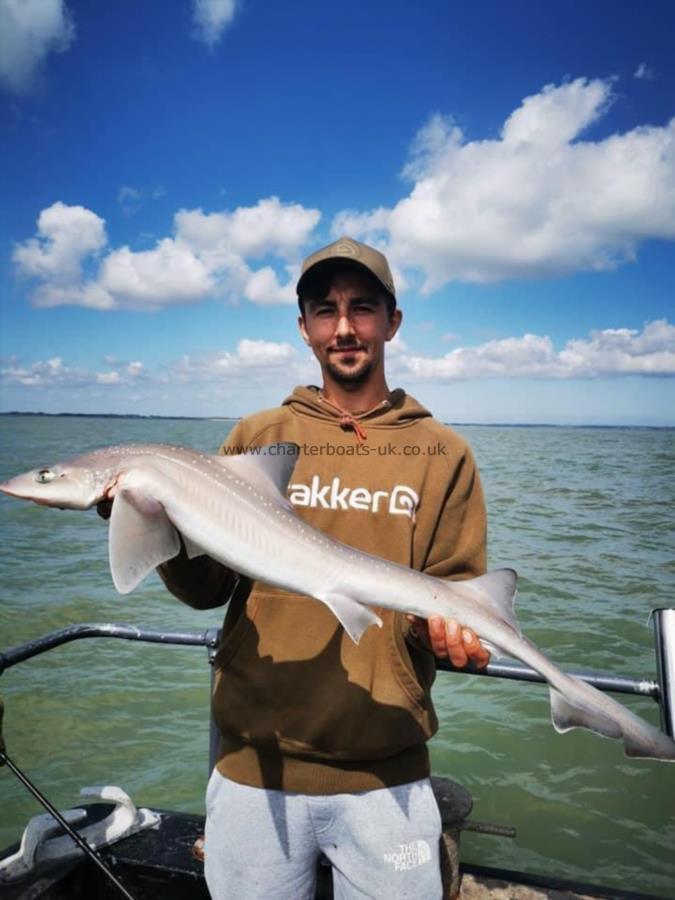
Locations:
{"points": [[79, 840]]}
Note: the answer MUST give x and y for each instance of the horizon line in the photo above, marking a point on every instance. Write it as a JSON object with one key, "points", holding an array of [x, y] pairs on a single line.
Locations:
{"points": [[215, 418]]}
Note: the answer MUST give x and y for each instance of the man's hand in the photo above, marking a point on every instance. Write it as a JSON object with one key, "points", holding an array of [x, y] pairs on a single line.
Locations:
{"points": [[447, 639]]}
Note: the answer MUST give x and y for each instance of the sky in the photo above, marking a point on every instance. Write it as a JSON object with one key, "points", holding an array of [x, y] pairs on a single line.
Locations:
{"points": [[165, 167]]}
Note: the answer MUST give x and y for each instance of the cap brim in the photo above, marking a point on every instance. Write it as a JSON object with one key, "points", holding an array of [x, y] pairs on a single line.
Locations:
{"points": [[337, 262]]}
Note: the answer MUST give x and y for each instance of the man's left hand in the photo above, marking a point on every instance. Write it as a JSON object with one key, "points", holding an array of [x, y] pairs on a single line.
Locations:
{"points": [[447, 639]]}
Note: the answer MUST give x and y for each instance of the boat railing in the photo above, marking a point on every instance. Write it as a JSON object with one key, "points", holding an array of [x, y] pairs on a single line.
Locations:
{"points": [[662, 689]]}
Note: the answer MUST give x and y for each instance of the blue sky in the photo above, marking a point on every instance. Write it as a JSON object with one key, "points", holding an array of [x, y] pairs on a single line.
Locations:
{"points": [[166, 167]]}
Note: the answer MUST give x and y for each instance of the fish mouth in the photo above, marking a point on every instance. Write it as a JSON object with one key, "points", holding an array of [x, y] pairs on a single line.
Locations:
{"points": [[6, 488]]}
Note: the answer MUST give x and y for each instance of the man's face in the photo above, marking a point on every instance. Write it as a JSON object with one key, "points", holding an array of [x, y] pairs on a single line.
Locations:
{"points": [[347, 329]]}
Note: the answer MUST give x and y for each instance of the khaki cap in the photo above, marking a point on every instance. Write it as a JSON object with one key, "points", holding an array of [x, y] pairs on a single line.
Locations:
{"points": [[352, 251]]}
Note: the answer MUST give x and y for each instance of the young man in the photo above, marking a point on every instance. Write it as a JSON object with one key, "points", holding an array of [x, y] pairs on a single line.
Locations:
{"points": [[323, 742]]}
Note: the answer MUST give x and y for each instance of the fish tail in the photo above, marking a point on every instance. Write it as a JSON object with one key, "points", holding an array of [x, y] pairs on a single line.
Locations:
{"points": [[585, 707]]}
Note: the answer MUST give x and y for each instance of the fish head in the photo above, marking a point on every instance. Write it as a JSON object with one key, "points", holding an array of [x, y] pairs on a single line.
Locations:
{"points": [[65, 485]]}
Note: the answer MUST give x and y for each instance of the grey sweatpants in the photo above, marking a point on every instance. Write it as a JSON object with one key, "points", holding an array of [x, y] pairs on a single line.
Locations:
{"points": [[265, 845]]}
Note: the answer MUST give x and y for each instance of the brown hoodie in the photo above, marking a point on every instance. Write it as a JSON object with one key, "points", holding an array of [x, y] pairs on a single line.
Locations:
{"points": [[299, 706]]}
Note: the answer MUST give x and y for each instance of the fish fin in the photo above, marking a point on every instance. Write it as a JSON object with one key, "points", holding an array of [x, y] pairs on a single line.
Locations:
{"points": [[141, 537], [265, 466], [498, 592], [495, 651], [191, 548], [566, 715], [354, 616], [640, 739]]}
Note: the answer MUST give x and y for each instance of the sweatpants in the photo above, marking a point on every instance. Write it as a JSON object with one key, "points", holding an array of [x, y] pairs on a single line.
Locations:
{"points": [[265, 845]]}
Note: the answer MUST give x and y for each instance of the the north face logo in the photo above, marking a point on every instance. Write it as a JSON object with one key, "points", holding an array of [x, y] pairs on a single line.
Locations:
{"points": [[409, 856], [400, 501]]}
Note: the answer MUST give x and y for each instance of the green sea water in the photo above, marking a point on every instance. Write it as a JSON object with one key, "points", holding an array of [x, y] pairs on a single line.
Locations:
{"points": [[587, 517]]}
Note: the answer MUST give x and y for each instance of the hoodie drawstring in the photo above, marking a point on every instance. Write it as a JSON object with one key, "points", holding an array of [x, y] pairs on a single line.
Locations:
{"points": [[347, 420]]}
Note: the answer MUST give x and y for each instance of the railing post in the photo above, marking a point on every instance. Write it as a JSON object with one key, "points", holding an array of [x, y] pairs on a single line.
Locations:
{"points": [[212, 647], [664, 642]]}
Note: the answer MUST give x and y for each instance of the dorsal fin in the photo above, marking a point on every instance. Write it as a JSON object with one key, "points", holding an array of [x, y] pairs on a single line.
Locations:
{"points": [[265, 466], [498, 592]]}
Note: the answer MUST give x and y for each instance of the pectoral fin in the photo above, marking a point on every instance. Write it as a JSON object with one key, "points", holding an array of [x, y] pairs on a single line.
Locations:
{"points": [[191, 548], [354, 616], [140, 538]]}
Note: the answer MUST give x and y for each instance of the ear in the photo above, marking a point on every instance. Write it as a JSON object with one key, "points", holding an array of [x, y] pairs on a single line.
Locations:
{"points": [[394, 323], [303, 330]]}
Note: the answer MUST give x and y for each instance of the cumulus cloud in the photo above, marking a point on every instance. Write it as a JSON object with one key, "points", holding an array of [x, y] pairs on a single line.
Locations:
{"points": [[67, 236], [171, 273], [209, 255], [536, 202], [251, 359], [211, 18], [609, 352], [29, 31]]}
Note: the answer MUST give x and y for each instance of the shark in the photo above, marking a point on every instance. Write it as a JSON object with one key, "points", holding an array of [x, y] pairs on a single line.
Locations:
{"points": [[235, 510]]}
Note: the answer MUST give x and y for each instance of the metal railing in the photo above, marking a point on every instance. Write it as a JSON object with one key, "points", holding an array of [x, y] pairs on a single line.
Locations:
{"points": [[662, 690]]}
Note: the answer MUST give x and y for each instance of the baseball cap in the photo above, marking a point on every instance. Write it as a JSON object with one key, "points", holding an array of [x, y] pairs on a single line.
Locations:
{"points": [[351, 251]]}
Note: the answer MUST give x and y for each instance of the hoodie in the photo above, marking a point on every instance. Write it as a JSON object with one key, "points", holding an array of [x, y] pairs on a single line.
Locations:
{"points": [[299, 706]]}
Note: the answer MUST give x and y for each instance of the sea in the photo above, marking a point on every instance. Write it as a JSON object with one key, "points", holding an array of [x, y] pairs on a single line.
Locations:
{"points": [[586, 516]]}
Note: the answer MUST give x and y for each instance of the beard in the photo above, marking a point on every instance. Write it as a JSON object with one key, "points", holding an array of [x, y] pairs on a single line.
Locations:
{"points": [[350, 375]]}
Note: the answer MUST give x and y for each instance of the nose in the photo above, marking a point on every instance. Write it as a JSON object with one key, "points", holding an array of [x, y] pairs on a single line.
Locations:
{"points": [[345, 327]]}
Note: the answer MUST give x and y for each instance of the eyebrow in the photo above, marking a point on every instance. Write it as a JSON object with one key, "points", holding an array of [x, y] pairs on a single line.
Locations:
{"points": [[327, 301]]}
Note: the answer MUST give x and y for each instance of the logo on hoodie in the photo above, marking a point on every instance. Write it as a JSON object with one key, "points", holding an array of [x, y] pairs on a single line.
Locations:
{"points": [[400, 501]]}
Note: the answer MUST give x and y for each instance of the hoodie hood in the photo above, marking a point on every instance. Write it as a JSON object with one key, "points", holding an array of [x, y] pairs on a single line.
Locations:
{"points": [[398, 410]]}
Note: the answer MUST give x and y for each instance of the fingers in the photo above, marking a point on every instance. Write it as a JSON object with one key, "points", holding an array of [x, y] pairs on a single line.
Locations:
{"points": [[449, 640], [436, 631], [457, 652], [475, 651]]}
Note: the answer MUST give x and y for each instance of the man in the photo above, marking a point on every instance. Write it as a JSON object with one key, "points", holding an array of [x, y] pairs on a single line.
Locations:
{"points": [[323, 742]]}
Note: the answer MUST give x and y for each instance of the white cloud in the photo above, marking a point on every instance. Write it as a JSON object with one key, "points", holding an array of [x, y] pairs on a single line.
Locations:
{"points": [[252, 231], [643, 72], [108, 378], [150, 279], [252, 358], [263, 287], [29, 31], [54, 373], [211, 18], [610, 352], [210, 255], [537, 202], [66, 235]]}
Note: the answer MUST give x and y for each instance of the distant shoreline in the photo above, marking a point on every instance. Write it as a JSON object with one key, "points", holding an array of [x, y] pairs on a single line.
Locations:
{"points": [[69, 415], [138, 416]]}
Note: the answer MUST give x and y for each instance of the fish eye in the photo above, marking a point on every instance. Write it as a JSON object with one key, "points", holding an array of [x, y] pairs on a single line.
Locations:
{"points": [[44, 476]]}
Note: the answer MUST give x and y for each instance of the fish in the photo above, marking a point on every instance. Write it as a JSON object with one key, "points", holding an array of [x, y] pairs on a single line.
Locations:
{"points": [[235, 510]]}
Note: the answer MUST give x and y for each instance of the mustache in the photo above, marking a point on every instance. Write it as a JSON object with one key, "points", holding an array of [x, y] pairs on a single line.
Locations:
{"points": [[341, 347]]}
